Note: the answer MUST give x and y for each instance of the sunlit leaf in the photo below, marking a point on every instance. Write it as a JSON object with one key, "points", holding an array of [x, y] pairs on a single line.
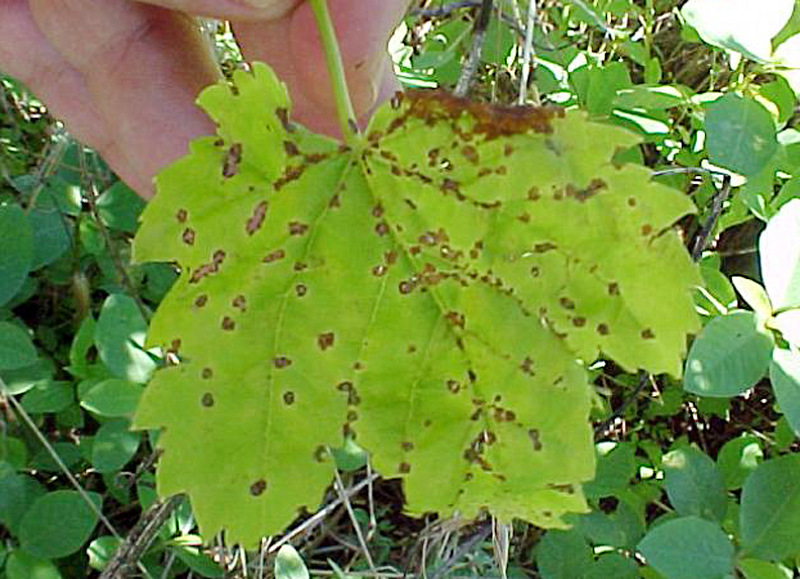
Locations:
{"points": [[431, 291]]}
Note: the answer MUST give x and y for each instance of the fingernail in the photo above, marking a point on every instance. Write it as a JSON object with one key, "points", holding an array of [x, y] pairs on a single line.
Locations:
{"points": [[274, 8]]}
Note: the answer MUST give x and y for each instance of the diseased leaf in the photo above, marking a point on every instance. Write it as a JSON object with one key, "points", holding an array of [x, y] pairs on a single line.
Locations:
{"points": [[430, 291]]}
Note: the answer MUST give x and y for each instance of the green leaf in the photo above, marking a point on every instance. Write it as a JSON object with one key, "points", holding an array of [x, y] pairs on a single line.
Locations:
{"points": [[101, 550], [48, 396], [16, 348], [289, 564], [737, 459], [693, 484], [755, 296], [770, 509], [119, 207], [616, 466], [421, 291], [51, 236], [17, 493], [113, 397], [784, 373], [199, 563], [20, 565], [688, 548], [739, 25], [730, 355], [758, 569], [13, 451], [119, 337], [597, 86], [779, 250], [740, 134], [563, 555], [113, 446], [57, 524], [612, 565], [16, 250]]}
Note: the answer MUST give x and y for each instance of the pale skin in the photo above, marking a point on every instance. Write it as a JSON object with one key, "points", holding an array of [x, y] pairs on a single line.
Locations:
{"points": [[124, 74]]}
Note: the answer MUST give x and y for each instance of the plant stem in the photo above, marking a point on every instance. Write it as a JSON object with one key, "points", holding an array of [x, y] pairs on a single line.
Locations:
{"points": [[333, 58]]}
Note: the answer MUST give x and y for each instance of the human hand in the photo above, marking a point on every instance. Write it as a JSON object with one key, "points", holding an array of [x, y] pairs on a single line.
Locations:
{"points": [[124, 74]]}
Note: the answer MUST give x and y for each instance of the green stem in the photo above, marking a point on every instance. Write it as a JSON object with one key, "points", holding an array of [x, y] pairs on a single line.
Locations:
{"points": [[333, 58]]}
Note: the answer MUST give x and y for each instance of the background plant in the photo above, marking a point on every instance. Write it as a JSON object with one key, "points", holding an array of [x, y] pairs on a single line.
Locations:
{"points": [[705, 467]]}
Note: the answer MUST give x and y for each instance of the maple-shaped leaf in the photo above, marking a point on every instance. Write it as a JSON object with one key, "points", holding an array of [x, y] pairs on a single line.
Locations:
{"points": [[434, 292]]}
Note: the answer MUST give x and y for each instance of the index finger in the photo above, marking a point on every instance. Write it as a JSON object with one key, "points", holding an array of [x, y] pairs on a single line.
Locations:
{"points": [[231, 9]]}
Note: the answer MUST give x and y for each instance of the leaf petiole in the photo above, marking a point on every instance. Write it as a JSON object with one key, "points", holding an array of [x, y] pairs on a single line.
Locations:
{"points": [[333, 58]]}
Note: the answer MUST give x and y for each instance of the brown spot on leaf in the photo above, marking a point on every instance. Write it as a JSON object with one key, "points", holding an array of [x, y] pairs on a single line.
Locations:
{"points": [[207, 373], [352, 416], [283, 117], [297, 228], [301, 290], [613, 289], [533, 434], [239, 302], [288, 398], [201, 300], [404, 468], [334, 202], [207, 400], [230, 166], [647, 334], [188, 236], [567, 303], [290, 148], [379, 270], [471, 154], [453, 386], [257, 218], [632, 201], [228, 324], [647, 229], [406, 287], [274, 256], [377, 211], [181, 216], [325, 341], [603, 330], [456, 319], [257, 488], [382, 229], [282, 362], [544, 247], [527, 366], [578, 322], [407, 446]]}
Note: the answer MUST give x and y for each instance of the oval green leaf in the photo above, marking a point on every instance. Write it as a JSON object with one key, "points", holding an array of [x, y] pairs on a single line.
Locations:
{"points": [[693, 484], [16, 250], [688, 548], [112, 397], [289, 564], [16, 347], [114, 445], [770, 509], [729, 356], [119, 337], [737, 459], [58, 524], [740, 134]]}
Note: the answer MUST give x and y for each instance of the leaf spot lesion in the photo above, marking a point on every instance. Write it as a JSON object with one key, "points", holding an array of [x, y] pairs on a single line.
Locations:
{"points": [[326, 340], [258, 488]]}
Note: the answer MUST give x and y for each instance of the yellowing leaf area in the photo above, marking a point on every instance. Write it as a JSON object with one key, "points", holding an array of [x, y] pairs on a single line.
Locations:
{"points": [[435, 292]]}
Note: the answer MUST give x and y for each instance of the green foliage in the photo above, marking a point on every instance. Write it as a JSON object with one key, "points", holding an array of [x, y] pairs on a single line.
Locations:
{"points": [[701, 111], [688, 548], [445, 342]]}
